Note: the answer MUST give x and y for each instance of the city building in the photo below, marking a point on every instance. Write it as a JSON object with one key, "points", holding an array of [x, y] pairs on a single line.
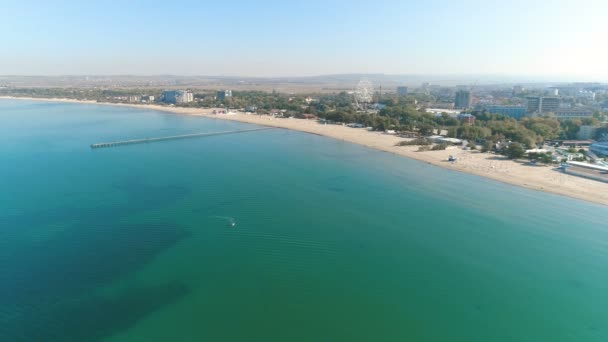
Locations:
{"points": [[573, 113], [586, 132], [568, 90], [442, 132], [532, 104], [586, 94], [587, 170], [466, 118], [402, 91], [463, 99], [600, 148], [168, 96], [134, 98], [542, 104], [439, 111], [516, 112], [223, 94], [424, 88], [177, 96], [184, 96]]}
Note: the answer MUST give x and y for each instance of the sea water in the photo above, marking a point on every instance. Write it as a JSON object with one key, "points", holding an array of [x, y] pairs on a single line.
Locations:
{"points": [[331, 241]]}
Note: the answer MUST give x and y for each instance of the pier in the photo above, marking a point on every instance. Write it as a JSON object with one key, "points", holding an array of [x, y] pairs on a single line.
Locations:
{"points": [[174, 137]]}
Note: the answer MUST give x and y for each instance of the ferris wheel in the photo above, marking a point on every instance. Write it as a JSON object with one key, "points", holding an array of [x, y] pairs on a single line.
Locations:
{"points": [[364, 92]]}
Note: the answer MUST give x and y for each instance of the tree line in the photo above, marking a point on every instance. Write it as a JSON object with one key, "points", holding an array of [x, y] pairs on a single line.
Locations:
{"points": [[398, 113]]}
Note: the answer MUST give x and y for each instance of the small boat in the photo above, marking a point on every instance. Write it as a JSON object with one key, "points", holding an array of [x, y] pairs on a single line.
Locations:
{"points": [[452, 159], [230, 221]]}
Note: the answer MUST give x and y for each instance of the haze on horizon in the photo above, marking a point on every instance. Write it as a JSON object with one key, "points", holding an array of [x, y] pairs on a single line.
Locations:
{"points": [[558, 38]]}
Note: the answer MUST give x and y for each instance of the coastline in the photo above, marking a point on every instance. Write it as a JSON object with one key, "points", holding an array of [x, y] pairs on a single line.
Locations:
{"points": [[495, 167]]}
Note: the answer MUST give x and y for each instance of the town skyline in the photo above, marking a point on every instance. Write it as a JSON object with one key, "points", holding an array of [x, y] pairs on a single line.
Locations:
{"points": [[338, 81]]}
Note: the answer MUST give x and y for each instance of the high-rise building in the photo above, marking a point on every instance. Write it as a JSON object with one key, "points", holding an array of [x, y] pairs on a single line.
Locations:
{"points": [[402, 91], [223, 94], [424, 88], [542, 104], [549, 104], [532, 104], [177, 96], [463, 99], [168, 96], [184, 96]]}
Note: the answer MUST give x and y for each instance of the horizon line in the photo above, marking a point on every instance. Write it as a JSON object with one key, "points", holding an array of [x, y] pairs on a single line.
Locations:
{"points": [[522, 78]]}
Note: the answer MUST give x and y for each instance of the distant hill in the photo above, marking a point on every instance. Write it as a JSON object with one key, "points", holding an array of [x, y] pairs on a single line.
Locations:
{"points": [[324, 83]]}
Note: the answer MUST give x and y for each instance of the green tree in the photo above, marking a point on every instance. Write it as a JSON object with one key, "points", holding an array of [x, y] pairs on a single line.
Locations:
{"points": [[473, 133], [515, 151], [425, 129], [590, 121], [570, 128], [487, 146], [545, 128], [601, 133], [543, 157]]}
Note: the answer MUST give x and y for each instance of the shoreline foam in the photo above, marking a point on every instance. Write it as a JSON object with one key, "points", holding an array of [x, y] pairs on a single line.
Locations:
{"points": [[495, 167]]}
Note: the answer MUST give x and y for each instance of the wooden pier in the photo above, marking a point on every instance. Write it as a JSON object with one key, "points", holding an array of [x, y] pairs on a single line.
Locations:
{"points": [[174, 137]]}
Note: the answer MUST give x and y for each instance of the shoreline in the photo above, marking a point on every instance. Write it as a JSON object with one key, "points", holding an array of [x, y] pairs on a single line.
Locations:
{"points": [[491, 166]]}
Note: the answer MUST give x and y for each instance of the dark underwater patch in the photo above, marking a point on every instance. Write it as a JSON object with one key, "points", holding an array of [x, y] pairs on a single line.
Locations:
{"points": [[79, 259], [92, 318]]}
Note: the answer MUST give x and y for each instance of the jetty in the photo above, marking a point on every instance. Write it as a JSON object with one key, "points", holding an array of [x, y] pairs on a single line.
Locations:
{"points": [[173, 137]]}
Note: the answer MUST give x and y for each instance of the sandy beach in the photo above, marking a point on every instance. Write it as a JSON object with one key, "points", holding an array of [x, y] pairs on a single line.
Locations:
{"points": [[496, 167]]}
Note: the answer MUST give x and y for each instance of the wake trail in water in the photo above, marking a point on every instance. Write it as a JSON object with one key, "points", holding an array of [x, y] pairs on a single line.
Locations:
{"points": [[230, 221]]}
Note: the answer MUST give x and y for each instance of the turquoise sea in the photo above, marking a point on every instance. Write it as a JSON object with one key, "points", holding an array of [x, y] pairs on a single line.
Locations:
{"points": [[333, 241]]}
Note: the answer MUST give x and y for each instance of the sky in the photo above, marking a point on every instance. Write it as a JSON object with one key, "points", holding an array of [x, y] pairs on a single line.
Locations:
{"points": [[549, 38]]}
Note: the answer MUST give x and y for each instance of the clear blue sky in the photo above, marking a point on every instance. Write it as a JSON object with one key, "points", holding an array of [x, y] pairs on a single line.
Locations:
{"points": [[288, 38]]}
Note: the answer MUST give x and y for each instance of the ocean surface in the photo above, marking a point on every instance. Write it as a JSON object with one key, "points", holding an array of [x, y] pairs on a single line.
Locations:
{"points": [[333, 241]]}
